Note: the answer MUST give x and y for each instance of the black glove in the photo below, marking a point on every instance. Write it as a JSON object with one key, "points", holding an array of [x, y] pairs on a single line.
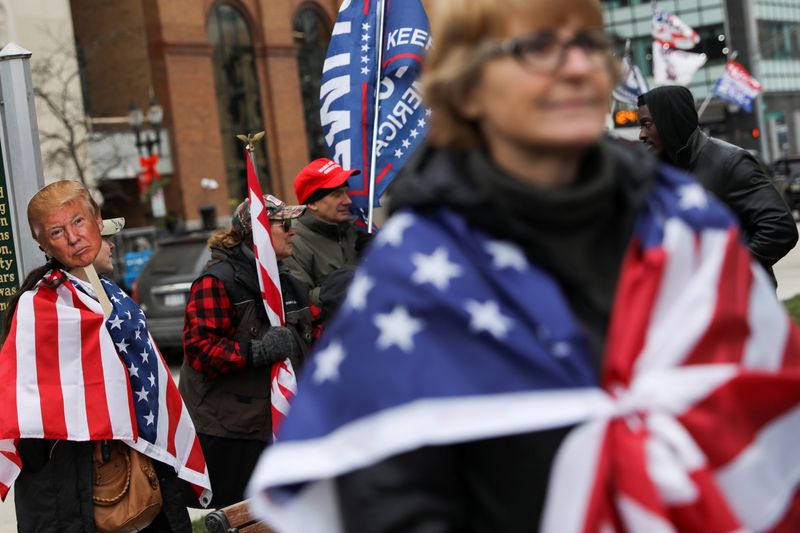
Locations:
{"points": [[362, 242], [334, 289], [276, 345]]}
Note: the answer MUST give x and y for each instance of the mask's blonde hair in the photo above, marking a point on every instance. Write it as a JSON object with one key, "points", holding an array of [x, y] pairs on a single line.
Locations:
{"points": [[460, 29], [54, 196]]}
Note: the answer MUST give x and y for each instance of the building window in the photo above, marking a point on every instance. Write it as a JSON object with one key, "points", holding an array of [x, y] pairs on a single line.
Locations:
{"points": [[779, 39], [312, 34], [238, 99]]}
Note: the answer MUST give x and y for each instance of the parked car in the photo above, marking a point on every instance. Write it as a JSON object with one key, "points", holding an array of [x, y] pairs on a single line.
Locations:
{"points": [[162, 288]]}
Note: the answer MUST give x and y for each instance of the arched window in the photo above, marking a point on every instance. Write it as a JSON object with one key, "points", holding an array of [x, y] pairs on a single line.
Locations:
{"points": [[313, 35], [238, 101]]}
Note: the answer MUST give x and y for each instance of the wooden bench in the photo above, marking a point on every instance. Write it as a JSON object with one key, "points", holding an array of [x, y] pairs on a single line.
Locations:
{"points": [[235, 518]]}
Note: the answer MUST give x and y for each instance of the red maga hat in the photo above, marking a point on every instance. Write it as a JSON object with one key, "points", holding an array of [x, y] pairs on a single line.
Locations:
{"points": [[320, 174]]}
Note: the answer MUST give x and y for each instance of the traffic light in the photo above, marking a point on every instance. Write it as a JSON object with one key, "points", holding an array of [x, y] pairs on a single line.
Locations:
{"points": [[756, 133]]}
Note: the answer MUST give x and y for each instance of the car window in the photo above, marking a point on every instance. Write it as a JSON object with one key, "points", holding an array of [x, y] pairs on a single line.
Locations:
{"points": [[177, 258]]}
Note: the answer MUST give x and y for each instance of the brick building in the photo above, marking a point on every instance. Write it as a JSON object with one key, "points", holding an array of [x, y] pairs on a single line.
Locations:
{"points": [[218, 68]]}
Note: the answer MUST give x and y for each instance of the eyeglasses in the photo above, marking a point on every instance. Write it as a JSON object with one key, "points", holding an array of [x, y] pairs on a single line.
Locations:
{"points": [[545, 52], [286, 224]]}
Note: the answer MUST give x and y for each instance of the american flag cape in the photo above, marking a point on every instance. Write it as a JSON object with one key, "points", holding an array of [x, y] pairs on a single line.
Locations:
{"points": [[71, 374], [352, 74], [283, 382], [449, 336]]}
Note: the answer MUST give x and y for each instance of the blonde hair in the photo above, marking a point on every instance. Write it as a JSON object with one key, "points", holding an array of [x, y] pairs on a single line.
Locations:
{"points": [[224, 238], [453, 64], [54, 196]]}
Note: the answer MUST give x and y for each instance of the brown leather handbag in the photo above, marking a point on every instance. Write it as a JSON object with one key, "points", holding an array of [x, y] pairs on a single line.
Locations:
{"points": [[126, 493]]}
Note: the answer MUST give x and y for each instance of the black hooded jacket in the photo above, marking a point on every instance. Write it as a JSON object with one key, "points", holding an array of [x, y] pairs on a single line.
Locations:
{"points": [[730, 172]]}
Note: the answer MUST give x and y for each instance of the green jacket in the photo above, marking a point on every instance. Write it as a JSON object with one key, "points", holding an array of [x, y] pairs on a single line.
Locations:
{"points": [[320, 248]]}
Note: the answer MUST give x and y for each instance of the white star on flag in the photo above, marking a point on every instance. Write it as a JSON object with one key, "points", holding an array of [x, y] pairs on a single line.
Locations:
{"points": [[144, 356], [506, 255], [142, 394], [365, 48], [327, 363], [397, 329], [392, 232], [487, 317], [115, 299], [365, 37], [398, 153], [138, 334], [133, 370], [562, 349], [129, 314], [358, 291], [149, 418], [152, 379], [414, 133], [435, 269], [421, 123], [406, 143], [364, 59], [692, 196], [365, 71], [122, 346], [116, 322]]}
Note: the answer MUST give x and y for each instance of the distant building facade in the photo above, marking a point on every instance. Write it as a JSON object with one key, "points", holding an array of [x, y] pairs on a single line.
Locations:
{"points": [[766, 36], [218, 68]]}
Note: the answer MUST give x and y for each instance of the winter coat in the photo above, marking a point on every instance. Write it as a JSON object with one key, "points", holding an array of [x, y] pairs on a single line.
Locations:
{"points": [[53, 493], [737, 179], [237, 404], [319, 248]]}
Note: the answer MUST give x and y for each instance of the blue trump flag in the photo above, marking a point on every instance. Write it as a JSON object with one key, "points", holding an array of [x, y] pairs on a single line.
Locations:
{"points": [[350, 81]]}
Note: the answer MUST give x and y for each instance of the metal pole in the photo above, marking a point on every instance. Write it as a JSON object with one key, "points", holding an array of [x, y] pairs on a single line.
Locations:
{"points": [[755, 67], [22, 158], [374, 157], [704, 105]]}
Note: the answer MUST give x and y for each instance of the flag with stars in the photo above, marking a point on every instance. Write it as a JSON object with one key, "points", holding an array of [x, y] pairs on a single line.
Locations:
{"points": [[351, 76], [448, 335], [73, 375]]}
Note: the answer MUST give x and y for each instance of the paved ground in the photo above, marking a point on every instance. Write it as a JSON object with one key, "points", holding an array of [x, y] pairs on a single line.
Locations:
{"points": [[787, 271]]}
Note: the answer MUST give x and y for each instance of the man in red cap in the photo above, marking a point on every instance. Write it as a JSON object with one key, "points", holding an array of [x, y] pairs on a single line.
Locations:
{"points": [[326, 237]]}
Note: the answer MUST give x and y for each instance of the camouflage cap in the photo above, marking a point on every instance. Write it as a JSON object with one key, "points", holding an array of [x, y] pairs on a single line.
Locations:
{"points": [[277, 209]]}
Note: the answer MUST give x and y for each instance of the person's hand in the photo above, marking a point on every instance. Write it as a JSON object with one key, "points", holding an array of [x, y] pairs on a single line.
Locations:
{"points": [[276, 345]]}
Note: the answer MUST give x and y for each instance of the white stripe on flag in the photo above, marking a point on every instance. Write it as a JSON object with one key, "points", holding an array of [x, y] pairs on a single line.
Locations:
{"points": [[71, 368], [573, 479], [761, 481], [769, 325], [687, 297], [637, 518], [29, 410]]}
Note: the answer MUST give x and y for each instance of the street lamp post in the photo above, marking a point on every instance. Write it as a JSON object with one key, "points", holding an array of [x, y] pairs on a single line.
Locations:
{"points": [[147, 131]]}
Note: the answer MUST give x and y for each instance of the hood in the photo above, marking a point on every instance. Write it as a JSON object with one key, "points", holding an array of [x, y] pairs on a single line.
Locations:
{"points": [[673, 111]]}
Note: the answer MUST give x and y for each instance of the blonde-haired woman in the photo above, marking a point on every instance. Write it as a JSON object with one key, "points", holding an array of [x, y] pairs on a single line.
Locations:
{"points": [[507, 300]]}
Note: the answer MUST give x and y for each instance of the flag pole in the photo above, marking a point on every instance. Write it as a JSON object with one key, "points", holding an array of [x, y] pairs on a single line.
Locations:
{"points": [[250, 144], [732, 56], [380, 6]]}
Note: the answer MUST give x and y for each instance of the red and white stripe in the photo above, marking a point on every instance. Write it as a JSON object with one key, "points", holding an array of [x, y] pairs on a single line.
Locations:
{"points": [[697, 428], [266, 260], [56, 395], [283, 380]]}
